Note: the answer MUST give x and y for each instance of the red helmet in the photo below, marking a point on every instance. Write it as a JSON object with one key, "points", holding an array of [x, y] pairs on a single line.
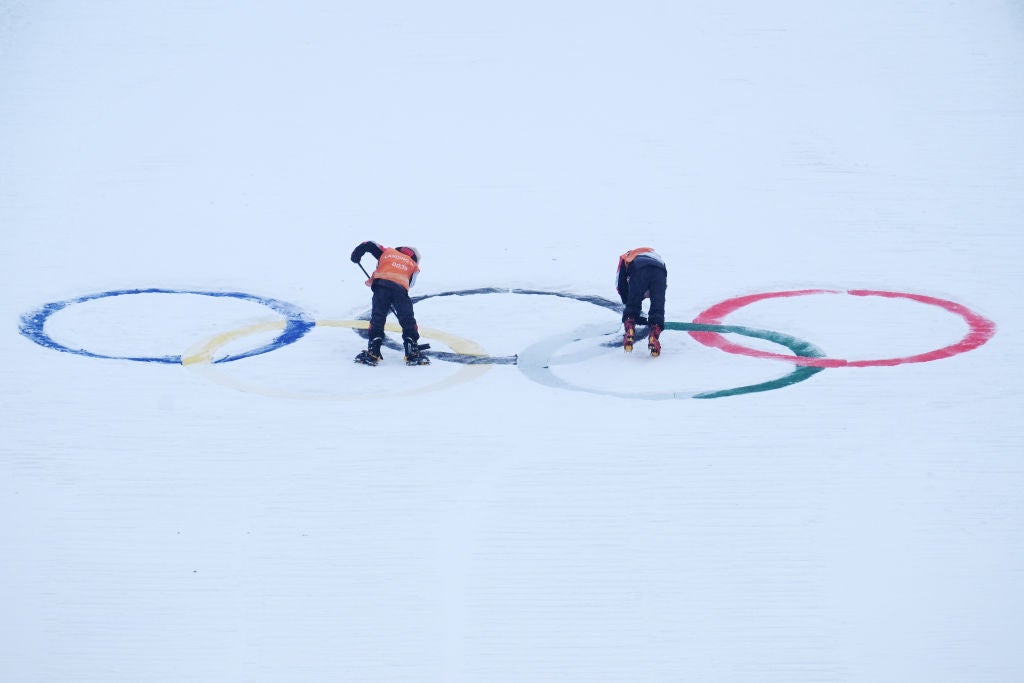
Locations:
{"points": [[411, 252]]}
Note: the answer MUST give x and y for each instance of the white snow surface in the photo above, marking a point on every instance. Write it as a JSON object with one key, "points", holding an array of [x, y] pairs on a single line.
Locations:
{"points": [[296, 517]]}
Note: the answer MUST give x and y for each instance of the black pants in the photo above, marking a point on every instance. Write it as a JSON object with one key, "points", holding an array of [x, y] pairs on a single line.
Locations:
{"points": [[651, 281], [385, 295]]}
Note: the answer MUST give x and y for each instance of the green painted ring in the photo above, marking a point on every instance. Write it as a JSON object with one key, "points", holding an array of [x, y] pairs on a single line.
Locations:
{"points": [[536, 361]]}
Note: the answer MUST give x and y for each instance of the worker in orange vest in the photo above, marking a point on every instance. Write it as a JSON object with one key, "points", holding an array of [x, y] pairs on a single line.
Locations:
{"points": [[390, 282], [642, 274]]}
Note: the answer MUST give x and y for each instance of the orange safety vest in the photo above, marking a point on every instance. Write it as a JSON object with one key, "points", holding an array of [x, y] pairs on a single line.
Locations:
{"points": [[395, 266], [628, 257]]}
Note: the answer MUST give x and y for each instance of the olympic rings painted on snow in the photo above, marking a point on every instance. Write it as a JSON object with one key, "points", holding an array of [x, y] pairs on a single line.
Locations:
{"points": [[494, 360], [535, 362], [981, 329], [201, 358], [295, 325]]}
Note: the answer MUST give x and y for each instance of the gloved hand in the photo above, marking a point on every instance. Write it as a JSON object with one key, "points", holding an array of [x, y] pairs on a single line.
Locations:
{"points": [[356, 259], [641, 320]]}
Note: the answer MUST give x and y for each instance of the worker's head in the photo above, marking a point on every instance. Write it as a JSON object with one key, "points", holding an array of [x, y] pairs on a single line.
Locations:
{"points": [[411, 252]]}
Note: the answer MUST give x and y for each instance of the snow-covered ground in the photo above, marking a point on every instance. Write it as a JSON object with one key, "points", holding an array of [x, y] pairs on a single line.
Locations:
{"points": [[574, 516]]}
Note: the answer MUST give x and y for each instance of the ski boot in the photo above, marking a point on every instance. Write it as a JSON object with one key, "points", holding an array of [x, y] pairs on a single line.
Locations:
{"points": [[627, 338], [653, 341], [372, 355], [414, 353]]}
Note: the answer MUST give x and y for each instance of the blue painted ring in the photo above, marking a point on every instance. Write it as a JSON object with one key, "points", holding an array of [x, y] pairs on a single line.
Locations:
{"points": [[298, 323]]}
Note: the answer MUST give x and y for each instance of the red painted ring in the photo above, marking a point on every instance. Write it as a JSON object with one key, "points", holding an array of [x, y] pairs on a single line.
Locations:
{"points": [[981, 329]]}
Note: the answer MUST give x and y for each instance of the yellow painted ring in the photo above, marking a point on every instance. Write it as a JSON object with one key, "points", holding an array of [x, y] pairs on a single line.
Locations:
{"points": [[200, 358]]}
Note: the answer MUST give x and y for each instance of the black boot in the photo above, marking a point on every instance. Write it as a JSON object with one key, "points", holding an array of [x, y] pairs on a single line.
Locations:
{"points": [[414, 353], [373, 347], [372, 355]]}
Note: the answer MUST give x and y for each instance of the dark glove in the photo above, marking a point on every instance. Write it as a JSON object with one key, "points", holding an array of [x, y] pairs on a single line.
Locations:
{"points": [[641, 320]]}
